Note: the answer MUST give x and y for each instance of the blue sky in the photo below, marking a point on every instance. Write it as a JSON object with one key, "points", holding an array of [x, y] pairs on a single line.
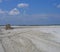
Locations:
{"points": [[29, 12]]}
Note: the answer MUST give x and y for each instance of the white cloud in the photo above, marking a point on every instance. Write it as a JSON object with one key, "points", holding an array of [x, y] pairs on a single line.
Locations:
{"points": [[14, 11], [0, 1], [3, 0], [45, 16], [22, 5], [3, 12], [58, 6]]}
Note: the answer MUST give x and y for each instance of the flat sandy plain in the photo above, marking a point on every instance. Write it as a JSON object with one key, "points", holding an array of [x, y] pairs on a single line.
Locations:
{"points": [[30, 39]]}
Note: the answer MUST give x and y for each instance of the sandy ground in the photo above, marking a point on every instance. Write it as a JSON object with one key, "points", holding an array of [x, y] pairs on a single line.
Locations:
{"points": [[30, 39]]}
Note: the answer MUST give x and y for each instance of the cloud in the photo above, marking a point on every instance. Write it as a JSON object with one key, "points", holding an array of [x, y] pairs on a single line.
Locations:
{"points": [[3, 0], [14, 11], [0, 1], [30, 19], [45, 16], [58, 6], [3, 12], [22, 5]]}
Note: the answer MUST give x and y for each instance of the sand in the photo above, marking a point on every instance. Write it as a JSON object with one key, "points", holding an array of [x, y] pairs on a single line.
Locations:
{"points": [[30, 39]]}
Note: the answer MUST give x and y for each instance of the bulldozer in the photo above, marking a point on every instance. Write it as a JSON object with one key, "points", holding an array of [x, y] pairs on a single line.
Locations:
{"points": [[8, 27]]}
